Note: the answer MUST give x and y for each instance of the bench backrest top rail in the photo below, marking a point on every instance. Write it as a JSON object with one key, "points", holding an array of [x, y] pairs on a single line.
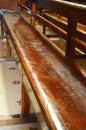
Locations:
{"points": [[70, 10]]}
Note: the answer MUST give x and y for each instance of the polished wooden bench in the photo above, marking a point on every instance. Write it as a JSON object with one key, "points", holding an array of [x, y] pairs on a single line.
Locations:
{"points": [[70, 30], [66, 20], [67, 25], [61, 93]]}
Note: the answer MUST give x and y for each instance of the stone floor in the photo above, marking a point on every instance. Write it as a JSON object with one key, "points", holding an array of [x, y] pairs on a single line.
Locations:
{"points": [[10, 89]]}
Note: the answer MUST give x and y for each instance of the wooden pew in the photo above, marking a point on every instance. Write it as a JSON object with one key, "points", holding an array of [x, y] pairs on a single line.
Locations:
{"points": [[73, 15], [70, 25], [72, 30], [61, 93]]}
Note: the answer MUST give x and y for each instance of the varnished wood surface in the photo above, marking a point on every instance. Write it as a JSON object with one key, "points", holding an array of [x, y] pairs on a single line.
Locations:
{"points": [[61, 95], [65, 8], [79, 39]]}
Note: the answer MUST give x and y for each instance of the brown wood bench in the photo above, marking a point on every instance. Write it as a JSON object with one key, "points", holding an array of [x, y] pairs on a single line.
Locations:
{"points": [[72, 30], [60, 93]]}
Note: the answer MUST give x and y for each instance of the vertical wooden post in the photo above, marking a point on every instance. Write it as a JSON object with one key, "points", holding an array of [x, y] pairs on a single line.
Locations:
{"points": [[2, 27], [25, 103], [18, 2], [44, 29], [8, 49], [33, 14], [70, 48]]}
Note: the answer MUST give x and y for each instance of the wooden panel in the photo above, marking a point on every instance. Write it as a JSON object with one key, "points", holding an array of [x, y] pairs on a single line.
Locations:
{"points": [[11, 4], [8, 4]]}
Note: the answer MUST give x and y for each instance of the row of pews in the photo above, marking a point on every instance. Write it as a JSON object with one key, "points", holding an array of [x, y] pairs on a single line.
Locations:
{"points": [[58, 84]]}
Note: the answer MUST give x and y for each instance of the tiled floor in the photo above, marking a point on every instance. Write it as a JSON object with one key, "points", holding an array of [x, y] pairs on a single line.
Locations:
{"points": [[10, 89]]}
